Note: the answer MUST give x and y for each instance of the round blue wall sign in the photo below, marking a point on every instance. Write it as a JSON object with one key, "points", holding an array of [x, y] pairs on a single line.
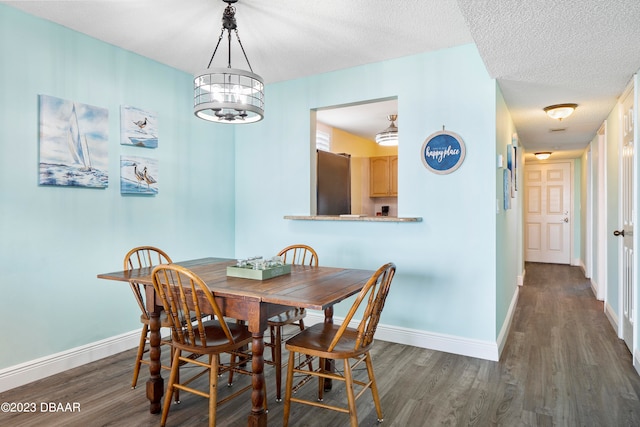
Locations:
{"points": [[443, 152]]}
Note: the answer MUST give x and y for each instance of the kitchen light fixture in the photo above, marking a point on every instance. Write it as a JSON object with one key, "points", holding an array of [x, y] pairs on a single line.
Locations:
{"points": [[229, 95], [543, 155], [389, 136], [560, 111]]}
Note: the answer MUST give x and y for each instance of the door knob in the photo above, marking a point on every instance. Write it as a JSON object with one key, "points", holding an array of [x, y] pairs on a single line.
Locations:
{"points": [[566, 219], [618, 233]]}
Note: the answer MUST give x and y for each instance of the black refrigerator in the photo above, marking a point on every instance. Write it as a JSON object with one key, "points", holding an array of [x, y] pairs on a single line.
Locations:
{"points": [[334, 183]]}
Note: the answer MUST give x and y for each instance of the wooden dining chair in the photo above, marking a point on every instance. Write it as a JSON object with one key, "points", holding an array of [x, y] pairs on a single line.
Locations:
{"points": [[145, 256], [340, 342], [299, 255], [183, 293]]}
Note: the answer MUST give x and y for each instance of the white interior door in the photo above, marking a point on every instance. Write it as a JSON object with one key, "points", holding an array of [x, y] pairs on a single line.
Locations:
{"points": [[548, 212], [626, 213]]}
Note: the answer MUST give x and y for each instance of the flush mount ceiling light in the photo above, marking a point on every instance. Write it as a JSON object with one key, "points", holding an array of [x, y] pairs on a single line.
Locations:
{"points": [[389, 136], [543, 155], [560, 111], [229, 95]]}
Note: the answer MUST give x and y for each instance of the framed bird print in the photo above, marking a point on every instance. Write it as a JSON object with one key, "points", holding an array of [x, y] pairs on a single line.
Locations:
{"points": [[138, 127], [138, 175]]}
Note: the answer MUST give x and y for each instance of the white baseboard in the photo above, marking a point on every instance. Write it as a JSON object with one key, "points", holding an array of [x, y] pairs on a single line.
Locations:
{"points": [[613, 318], [24, 373], [440, 342], [506, 326], [594, 289]]}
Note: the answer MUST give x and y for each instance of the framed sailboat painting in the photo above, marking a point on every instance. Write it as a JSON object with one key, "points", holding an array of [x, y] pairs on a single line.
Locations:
{"points": [[138, 175], [138, 127], [73, 143]]}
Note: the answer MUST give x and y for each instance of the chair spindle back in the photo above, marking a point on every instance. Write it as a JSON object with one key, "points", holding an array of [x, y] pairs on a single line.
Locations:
{"points": [[299, 255], [375, 292], [181, 292], [140, 257]]}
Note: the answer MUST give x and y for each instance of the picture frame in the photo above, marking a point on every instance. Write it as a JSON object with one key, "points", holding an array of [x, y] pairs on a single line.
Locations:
{"points": [[138, 175], [138, 127], [73, 143]]}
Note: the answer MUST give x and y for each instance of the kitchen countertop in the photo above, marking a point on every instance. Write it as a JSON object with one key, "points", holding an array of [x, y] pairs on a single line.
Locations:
{"points": [[353, 218]]}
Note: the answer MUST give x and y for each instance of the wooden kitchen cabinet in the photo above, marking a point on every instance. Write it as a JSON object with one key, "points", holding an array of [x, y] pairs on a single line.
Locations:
{"points": [[383, 176]]}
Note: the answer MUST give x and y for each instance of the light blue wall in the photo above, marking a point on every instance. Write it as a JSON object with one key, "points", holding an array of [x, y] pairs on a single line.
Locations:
{"points": [[596, 180], [224, 190], [585, 161], [578, 253], [446, 279], [612, 147], [54, 240], [509, 248]]}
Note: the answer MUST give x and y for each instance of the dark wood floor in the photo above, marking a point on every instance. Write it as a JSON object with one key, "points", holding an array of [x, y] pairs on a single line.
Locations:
{"points": [[562, 366]]}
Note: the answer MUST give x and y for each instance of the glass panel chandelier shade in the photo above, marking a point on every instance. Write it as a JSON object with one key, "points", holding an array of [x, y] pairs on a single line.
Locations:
{"points": [[389, 136], [228, 95]]}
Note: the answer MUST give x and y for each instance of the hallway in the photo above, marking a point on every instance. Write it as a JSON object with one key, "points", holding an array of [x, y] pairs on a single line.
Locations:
{"points": [[561, 345]]}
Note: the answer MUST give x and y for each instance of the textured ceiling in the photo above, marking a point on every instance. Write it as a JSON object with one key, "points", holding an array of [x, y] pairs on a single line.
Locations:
{"points": [[541, 52], [548, 52]]}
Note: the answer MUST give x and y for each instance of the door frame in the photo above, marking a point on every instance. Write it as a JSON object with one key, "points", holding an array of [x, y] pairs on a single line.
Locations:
{"points": [[632, 88]]}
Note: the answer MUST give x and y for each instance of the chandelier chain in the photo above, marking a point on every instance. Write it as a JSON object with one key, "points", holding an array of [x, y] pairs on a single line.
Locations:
{"points": [[216, 49], [243, 52], [228, 24]]}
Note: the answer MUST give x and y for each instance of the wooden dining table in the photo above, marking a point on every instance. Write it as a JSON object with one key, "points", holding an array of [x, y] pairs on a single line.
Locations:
{"points": [[254, 301]]}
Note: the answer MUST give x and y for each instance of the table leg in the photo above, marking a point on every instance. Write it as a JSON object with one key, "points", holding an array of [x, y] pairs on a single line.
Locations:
{"points": [[329, 363], [258, 416], [155, 384]]}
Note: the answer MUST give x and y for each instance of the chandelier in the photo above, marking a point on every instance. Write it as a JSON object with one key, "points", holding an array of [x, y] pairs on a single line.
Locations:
{"points": [[229, 95], [389, 136]]}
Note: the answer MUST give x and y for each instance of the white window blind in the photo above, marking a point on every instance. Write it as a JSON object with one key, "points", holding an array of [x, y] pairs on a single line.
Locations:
{"points": [[323, 140]]}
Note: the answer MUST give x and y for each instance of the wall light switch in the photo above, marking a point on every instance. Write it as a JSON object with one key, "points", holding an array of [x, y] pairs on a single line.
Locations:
{"points": [[500, 161]]}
